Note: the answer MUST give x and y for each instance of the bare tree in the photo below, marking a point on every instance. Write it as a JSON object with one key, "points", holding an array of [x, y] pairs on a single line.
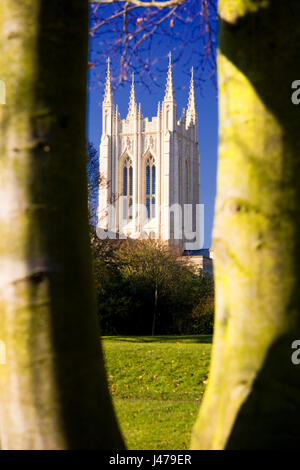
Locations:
{"points": [[133, 30]]}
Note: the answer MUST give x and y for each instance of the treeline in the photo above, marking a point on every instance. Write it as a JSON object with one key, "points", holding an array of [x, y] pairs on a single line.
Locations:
{"points": [[144, 288]]}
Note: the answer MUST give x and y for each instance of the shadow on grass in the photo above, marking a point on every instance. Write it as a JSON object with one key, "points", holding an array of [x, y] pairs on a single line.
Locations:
{"points": [[204, 339]]}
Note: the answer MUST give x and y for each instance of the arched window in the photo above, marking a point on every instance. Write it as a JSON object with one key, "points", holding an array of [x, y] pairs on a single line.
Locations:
{"points": [[127, 188], [150, 187]]}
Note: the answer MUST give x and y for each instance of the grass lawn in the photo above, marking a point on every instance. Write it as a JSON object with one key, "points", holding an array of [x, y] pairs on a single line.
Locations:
{"points": [[157, 384]]}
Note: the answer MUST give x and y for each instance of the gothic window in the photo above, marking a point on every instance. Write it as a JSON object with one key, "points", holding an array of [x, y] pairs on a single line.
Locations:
{"points": [[150, 187], [127, 190]]}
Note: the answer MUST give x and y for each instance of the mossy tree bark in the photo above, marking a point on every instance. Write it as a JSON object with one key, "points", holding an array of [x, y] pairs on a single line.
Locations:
{"points": [[253, 399], [53, 389]]}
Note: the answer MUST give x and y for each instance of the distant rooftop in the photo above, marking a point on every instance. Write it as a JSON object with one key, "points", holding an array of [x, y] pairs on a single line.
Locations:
{"points": [[205, 252]]}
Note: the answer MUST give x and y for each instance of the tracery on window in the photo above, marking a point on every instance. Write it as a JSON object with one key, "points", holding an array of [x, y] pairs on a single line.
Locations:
{"points": [[127, 190], [150, 187]]}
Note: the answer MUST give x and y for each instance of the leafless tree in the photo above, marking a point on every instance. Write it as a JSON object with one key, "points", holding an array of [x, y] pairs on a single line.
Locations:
{"points": [[132, 31]]}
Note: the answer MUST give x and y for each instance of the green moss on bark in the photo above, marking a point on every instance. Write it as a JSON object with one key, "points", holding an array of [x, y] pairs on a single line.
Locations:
{"points": [[252, 399], [53, 389]]}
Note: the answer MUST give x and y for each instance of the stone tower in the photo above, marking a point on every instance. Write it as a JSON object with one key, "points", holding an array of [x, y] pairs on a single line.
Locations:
{"points": [[150, 168]]}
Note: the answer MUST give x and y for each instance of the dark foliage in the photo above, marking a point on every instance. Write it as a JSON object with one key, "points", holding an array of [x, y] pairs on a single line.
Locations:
{"points": [[142, 283]]}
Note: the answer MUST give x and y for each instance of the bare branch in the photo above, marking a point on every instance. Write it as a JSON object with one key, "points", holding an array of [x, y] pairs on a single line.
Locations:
{"points": [[134, 30], [141, 3]]}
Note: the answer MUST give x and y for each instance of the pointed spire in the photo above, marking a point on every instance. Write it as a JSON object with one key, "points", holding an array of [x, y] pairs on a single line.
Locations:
{"points": [[191, 114], [169, 96], [158, 109], [132, 103], [108, 96]]}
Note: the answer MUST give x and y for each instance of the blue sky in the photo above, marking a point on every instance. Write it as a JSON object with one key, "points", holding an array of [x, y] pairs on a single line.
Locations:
{"points": [[206, 101]]}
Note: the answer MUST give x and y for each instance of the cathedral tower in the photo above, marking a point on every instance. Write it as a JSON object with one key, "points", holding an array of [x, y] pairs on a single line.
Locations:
{"points": [[150, 168]]}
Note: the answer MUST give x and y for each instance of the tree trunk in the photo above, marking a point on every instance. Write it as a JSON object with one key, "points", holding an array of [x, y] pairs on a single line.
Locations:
{"points": [[253, 399], [155, 310], [53, 388]]}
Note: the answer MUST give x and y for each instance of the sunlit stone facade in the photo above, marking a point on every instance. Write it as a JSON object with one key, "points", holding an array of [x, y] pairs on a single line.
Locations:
{"points": [[151, 166]]}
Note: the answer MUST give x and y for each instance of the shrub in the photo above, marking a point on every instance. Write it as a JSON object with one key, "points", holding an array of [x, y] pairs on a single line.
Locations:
{"points": [[144, 288]]}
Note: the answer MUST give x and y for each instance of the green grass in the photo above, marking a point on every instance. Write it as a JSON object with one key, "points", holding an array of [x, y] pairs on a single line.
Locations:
{"points": [[157, 385]]}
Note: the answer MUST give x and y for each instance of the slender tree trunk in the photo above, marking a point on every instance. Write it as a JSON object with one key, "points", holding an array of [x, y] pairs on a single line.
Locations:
{"points": [[253, 399], [53, 389], [155, 310]]}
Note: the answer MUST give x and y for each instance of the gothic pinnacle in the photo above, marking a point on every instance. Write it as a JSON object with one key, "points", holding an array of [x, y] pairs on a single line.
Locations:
{"points": [[191, 114], [132, 103], [169, 96], [182, 119], [108, 96]]}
